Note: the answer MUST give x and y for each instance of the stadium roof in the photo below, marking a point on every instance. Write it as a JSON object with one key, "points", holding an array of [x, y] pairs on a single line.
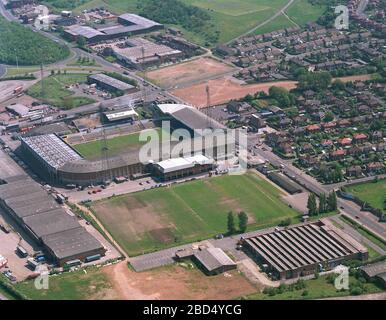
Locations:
{"points": [[138, 20], [71, 243], [189, 116], [117, 84], [213, 258], [51, 149]]}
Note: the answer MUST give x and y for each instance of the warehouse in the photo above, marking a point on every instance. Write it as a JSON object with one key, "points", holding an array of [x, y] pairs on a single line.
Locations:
{"points": [[146, 25], [44, 220], [214, 261], [121, 115], [111, 84], [90, 34], [376, 271], [141, 52], [18, 109], [303, 250], [284, 182], [182, 167]]}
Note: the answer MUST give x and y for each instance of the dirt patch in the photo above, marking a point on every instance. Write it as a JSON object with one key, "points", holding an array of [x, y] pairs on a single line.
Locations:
{"points": [[163, 235], [176, 283], [130, 216], [362, 77], [223, 90], [189, 72]]}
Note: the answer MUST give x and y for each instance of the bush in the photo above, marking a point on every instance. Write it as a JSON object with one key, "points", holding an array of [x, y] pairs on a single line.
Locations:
{"points": [[356, 291]]}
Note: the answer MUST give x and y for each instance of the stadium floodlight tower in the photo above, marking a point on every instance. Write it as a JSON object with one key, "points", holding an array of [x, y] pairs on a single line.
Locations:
{"points": [[106, 171]]}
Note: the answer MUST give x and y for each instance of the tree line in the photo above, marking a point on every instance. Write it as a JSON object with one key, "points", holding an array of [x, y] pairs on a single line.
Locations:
{"points": [[327, 203], [242, 222]]}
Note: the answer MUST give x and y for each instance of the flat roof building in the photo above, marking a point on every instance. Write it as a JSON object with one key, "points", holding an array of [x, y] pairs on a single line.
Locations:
{"points": [[46, 222], [119, 115], [111, 84], [141, 52], [304, 249]]}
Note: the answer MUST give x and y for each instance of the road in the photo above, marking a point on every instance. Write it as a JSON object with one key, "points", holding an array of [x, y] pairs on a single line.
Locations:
{"points": [[280, 12], [352, 210], [3, 70]]}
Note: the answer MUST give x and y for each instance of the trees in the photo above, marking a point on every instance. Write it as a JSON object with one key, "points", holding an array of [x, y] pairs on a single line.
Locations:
{"points": [[317, 81], [231, 223], [177, 12], [332, 202], [322, 203], [29, 48], [243, 221], [311, 205], [282, 96]]}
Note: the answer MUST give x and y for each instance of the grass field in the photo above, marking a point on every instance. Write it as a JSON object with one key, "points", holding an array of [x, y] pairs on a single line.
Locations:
{"points": [[298, 14], [316, 289], [231, 17], [374, 193], [117, 145], [169, 216], [56, 93], [78, 285]]}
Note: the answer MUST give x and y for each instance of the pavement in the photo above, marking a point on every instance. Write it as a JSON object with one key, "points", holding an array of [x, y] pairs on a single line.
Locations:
{"points": [[357, 236], [3, 70], [164, 257]]}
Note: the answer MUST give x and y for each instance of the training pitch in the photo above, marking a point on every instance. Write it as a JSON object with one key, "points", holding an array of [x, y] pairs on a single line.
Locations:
{"points": [[168, 216]]}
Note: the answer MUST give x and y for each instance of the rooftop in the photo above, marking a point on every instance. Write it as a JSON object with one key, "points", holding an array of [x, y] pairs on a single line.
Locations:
{"points": [[118, 84], [374, 269], [176, 164], [138, 20], [71, 243], [53, 150], [213, 258], [303, 245]]}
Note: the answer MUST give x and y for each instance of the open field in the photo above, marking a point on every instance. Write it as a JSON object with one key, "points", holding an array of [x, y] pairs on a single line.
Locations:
{"points": [[168, 216], [56, 93], [86, 284], [302, 11], [119, 282], [117, 145], [374, 193], [188, 73], [175, 282], [315, 289], [225, 89], [231, 17]]}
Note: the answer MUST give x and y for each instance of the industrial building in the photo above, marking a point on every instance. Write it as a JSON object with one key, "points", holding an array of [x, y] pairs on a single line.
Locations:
{"points": [[18, 109], [121, 115], [111, 84], [284, 182], [129, 25], [91, 35], [303, 249], [211, 260], [140, 52], [46, 222], [376, 271], [182, 167]]}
